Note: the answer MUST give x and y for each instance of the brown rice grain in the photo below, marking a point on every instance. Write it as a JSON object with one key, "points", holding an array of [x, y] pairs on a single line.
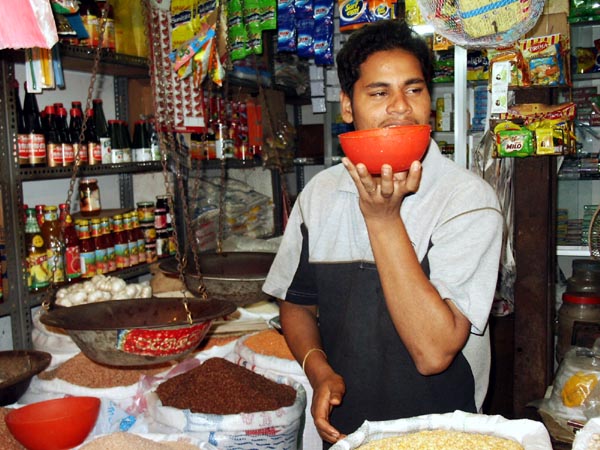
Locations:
{"points": [[82, 371], [269, 342], [6, 438], [122, 440]]}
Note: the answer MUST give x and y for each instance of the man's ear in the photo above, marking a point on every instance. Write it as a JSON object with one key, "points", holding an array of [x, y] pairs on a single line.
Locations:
{"points": [[346, 107]]}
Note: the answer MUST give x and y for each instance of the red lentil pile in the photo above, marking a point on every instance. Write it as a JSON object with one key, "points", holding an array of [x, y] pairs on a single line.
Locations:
{"points": [[221, 387], [269, 342], [7, 440], [82, 371]]}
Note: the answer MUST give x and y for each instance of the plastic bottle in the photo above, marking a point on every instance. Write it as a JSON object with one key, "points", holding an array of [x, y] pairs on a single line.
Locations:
{"points": [[52, 234], [80, 149], [33, 127], [38, 276], [100, 247], [72, 255], [102, 130], [87, 250], [121, 242]]}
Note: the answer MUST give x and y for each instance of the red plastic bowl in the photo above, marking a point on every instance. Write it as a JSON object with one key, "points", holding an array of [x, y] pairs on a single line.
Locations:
{"points": [[56, 424], [396, 146]]}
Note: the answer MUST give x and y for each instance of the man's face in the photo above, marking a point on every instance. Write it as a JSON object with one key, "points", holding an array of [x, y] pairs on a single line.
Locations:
{"points": [[391, 91]]}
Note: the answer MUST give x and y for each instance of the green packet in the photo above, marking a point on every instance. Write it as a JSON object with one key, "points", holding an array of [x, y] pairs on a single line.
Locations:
{"points": [[514, 143]]}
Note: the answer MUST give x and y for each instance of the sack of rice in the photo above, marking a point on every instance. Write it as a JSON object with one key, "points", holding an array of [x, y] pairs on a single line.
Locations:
{"points": [[588, 438], [451, 431], [229, 406], [266, 352]]}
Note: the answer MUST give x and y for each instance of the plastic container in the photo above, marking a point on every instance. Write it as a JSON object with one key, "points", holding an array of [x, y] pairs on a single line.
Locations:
{"points": [[585, 277], [578, 322]]}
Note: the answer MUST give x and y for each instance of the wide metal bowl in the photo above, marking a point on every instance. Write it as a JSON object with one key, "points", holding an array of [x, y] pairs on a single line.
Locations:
{"points": [[17, 368], [237, 277], [138, 332]]}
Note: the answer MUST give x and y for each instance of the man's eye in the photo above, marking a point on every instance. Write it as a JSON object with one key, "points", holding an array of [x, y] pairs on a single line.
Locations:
{"points": [[415, 90], [378, 94]]}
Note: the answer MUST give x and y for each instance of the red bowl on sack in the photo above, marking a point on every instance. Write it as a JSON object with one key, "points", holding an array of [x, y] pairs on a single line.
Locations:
{"points": [[56, 424], [397, 146]]}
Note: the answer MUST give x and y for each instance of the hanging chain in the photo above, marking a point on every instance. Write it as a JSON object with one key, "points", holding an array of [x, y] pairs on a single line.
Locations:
{"points": [[46, 303]]}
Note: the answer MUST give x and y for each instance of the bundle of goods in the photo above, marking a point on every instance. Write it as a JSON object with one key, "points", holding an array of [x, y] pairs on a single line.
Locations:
{"points": [[535, 129], [451, 431], [247, 212], [575, 396], [101, 288], [230, 406]]}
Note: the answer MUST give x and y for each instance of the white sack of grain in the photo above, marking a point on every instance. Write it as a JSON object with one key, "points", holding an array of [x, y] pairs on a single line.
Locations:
{"points": [[588, 438], [532, 435]]}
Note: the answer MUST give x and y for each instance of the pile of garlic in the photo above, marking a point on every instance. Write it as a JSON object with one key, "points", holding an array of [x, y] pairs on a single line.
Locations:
{"points": [[101, 288]]}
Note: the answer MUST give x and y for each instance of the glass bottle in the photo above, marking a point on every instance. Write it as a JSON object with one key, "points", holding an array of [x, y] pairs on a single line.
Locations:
{"points": [[100, 246], [108, 38], [109, 243], [126, 141], [23, 145], [138, 234], [94, 147], [38, 276], [66, 142], [116, 139], [131, 240], [88, 10], [39, 214], [72, 255], [141, 150], [121, 242], [33, 127], [80, 149], [90, 203], [152, 132], [87, 250], [52, 234], [102, 130], [53, 143]]}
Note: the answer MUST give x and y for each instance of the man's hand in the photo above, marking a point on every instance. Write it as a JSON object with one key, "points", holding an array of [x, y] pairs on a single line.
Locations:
{"points": [[328, 393]]}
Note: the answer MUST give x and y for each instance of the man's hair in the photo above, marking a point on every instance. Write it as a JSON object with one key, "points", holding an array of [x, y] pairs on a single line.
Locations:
{"points": [[375, 37]]}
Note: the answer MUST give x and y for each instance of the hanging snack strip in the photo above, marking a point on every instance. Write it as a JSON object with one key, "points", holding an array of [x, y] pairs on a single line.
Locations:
{"points": [[535, 130]]}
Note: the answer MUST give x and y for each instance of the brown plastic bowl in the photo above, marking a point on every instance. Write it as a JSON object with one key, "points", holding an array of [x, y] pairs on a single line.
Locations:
{"points": [[397, 146], [17, 368]]}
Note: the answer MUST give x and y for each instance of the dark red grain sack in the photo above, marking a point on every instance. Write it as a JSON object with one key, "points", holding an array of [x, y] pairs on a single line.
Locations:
{"points": [[221, 387]]}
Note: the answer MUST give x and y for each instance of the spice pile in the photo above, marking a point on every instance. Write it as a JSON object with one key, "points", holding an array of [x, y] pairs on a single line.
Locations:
{"points": [[269, 342], [221, 387], [82, 371]]}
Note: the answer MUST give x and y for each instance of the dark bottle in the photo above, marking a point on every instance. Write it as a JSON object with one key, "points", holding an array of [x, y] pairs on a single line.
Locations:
{"points": [[87, 250], [53, 143], [23, 146], [66, 142], [72, 252], [80, 149], [38, 276], [116, 139], [53, 238], [152, 132], [102, 130], [162, 202], [110, 244], [140, 148], [33, 127], [93, 142], [125, 141]]}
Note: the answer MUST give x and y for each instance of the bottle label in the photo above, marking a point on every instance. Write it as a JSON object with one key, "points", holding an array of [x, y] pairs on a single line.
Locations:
{"points": [[68, 154], [73, 262], [24, 149], [55, 155], [127, 155], [56, 266], [101, 261], [94, 153], [116, 155], [88, 264], [39, 276], [122, 255], [82, 151], [91, 25], [105, 150], [111, 259], [133, 253], [142, 154], [37, 154], [141, 243]]}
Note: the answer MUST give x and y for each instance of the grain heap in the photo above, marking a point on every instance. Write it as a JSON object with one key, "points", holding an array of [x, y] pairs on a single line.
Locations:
{"points": [[221, 387], [82, 371], [443, 439], [269, 342], [7, 440], [122, 440]]}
